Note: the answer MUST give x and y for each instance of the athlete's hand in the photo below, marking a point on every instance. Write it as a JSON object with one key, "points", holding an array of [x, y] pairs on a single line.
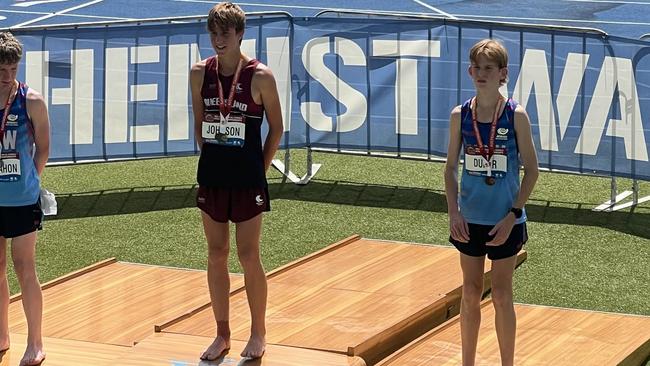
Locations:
{"points": [[501, 230], [458, 229]]}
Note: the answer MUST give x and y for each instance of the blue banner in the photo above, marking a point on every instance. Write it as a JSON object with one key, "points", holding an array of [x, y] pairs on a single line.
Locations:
{"points": [[369, 84]]}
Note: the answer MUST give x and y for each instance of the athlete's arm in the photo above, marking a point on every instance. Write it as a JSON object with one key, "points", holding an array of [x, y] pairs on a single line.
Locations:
{"points": [[527, 155], [196, 82], [528, 158], [457, 225], [37, 112], [265, 92]]}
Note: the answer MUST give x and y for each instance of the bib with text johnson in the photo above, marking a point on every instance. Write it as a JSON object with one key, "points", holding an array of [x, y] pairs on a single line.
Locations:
{"points": [[226, 131]]}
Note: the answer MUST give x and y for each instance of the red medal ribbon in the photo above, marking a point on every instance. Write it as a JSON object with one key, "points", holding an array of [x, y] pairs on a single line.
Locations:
{"points": [[225, 107], [493, 131], [10, 100]]}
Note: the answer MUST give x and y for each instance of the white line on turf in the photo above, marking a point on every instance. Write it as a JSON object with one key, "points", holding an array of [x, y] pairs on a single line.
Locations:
{"points": [[57, 13], [430, 7]]}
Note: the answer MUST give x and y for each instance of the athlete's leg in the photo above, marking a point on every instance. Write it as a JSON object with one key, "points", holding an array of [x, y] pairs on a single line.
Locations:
{"points": [[470, 311], [23, 252], [217, 235], [4, 297], [505, 318], [248, 250]]}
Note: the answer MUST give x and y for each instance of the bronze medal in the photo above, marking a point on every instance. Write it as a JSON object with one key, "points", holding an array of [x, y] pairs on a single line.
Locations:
{"points": [[486, 151]]}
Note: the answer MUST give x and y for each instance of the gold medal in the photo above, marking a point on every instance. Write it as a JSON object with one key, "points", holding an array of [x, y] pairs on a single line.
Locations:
{"points": [[224, 119], [226, 104]]}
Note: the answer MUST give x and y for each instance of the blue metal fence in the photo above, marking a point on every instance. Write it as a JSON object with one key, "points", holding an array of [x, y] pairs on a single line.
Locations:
{"points": [[363, 83]]}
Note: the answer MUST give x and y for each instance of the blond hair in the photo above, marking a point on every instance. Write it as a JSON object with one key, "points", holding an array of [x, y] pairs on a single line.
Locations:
{"points": [[493, 50], [11, 50], [226, 15]]}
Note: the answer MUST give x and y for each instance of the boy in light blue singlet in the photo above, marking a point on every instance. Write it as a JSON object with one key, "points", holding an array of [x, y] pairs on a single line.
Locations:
{"points": [[24, 143], [493, 135]]}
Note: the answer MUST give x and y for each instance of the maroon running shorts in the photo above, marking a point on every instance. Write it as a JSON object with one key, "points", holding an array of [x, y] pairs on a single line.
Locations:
{"points": [[233, 204]]}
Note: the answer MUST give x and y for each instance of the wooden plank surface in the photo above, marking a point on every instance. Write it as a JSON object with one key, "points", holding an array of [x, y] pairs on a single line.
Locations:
{"points": [[118, 303], [545, 336], [184, 350], [62, 352], [349, 299], [69, 276], [166, 323]]}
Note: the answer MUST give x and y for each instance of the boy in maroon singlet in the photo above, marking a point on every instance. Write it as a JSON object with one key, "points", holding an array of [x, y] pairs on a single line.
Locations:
{"points": [[231, 93]]}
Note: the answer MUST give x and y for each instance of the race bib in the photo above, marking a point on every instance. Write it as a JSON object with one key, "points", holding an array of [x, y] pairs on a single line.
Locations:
{"points": [[477, 165], [9, 170], [230, 133]]}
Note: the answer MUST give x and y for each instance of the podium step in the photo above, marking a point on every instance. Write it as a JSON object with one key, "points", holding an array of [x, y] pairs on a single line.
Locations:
{"points": [[359, 297], [114, 302], [545, 336], [185, 350], [62, 352]]}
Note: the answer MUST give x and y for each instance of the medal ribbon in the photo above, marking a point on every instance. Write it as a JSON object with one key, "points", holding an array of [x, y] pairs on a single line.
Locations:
{"points": [[3, 124], [225, 107], [487, 155], [10, 100]]}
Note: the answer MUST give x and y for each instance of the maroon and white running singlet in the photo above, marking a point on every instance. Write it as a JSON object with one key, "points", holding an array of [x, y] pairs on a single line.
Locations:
{"points": [[232, 155]]}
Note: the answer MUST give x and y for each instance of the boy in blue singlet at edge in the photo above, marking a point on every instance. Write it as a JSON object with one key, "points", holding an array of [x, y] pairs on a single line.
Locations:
{"points": [[24, 150], [489, 216]]}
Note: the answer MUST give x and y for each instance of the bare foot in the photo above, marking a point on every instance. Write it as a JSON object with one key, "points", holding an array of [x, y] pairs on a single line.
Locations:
{"points": [[33, 356], [4, 344], [255, 347], [216, 349]]}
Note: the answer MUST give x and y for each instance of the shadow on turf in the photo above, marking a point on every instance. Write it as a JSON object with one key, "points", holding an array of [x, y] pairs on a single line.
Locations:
{"points": [[145, 199]]}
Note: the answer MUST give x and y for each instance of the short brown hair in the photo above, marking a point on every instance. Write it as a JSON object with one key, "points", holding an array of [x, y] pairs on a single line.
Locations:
{"points": [[493, 50], [11, 50], [226, 15]]}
